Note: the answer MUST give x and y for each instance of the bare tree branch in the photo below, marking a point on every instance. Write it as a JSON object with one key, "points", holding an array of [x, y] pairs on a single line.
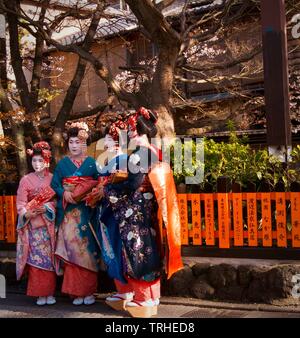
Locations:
{"points": [[38, 61], [222, 66], [99, 109], [72, 91], [154, 22], [163, 4]]}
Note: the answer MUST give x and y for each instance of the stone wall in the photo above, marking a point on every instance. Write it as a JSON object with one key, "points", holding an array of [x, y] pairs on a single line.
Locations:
{"points": [[225, 282], [219, 282]]}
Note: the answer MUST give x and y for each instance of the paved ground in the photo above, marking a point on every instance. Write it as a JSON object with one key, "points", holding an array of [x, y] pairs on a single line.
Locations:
{"points": [[18, 305]]}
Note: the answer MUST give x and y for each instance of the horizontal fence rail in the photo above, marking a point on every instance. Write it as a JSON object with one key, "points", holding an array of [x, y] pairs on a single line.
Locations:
{"points": [[224, 220]]}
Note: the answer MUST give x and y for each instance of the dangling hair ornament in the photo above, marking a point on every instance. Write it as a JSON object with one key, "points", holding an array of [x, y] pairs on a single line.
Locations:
{"points": [[142, 111], [115, 128]]}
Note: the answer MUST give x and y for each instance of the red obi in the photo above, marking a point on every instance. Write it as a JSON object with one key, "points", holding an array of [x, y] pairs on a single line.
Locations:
{"points": [[80, 186], [45, 195]]}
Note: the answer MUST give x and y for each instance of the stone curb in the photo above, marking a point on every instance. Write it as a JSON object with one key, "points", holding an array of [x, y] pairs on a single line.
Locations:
{"points": [[204, 304], [219, 305], [178, 290]]}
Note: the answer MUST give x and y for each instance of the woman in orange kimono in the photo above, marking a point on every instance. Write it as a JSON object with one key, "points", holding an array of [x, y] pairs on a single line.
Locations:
{"points": [[36, 228], [134, 204]]}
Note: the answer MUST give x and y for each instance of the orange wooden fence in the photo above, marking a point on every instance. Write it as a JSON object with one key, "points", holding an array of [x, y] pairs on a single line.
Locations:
{"points": [[222, 219], [240, 219], [8, 219]]}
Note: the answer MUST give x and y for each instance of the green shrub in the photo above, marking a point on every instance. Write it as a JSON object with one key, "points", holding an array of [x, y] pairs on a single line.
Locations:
{"points": [[242, 164]]}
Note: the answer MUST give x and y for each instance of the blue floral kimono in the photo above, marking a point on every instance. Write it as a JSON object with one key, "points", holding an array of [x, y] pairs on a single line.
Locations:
{"points": [[129, 218], [108, 229], [76, 243]]}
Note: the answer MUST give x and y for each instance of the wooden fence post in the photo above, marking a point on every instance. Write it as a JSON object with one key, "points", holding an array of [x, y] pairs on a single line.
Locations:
{"points": [[252, 215], [238, 226], [295, 212], [2, 223], [281, 215], [223, 212], [266, 215]]}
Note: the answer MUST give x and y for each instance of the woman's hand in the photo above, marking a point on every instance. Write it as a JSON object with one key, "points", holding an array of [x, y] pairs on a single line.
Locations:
{"points": [[98, 192], [30, 214], [40, 210], [69, 198], [94, 196], [37, 211], [69, 187]]}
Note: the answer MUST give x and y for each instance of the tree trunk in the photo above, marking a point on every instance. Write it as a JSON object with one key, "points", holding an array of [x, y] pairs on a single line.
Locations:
{"points": [[168, 42], [57, 144], [17, 132], [162, 89], [18, 135]]}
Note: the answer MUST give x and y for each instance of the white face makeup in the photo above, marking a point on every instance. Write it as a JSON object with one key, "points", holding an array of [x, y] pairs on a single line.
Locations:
{"points": [[110, 145], [132, 134], [75, 146], [38, 163]]}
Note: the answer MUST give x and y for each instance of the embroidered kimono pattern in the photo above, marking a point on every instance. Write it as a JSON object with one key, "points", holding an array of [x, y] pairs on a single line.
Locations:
{"points": [[76, 223], [108, 230], [135, 210]]}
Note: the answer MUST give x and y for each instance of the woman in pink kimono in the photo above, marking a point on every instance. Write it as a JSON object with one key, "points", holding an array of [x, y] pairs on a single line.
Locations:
{"points": [[36, 229]]}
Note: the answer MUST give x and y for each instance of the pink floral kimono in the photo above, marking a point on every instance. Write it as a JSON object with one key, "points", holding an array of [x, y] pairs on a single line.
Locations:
{"points": [[36, 238]]}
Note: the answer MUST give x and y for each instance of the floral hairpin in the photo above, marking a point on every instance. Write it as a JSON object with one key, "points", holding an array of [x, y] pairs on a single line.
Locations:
{"points": [[142, 111], [83, 133], [115, 129], [45, 149]]}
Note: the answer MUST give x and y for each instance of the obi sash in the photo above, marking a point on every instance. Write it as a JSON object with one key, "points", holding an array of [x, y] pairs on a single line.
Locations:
{"points": [[74, 180]]}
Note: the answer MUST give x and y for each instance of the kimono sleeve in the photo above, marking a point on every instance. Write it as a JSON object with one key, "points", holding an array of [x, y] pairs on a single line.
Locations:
{"points": [[50, 211], [22, 197]]}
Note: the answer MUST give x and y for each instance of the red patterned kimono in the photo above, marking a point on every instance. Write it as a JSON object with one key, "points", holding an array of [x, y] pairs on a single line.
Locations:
{"points": [[36, 237]]}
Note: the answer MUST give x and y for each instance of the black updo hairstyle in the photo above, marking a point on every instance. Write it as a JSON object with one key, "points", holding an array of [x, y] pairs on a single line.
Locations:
{"points": [[73, 132], [148, 127], [36, 152]]}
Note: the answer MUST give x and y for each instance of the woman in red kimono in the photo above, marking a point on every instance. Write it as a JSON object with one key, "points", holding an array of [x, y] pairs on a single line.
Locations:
{"points": [[36, 229]]}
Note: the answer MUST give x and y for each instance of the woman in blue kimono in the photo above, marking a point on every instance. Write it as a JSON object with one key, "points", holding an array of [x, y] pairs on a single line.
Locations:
{"points": [[77, 251], [129, 232], [131, 206], [108, 230]]}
